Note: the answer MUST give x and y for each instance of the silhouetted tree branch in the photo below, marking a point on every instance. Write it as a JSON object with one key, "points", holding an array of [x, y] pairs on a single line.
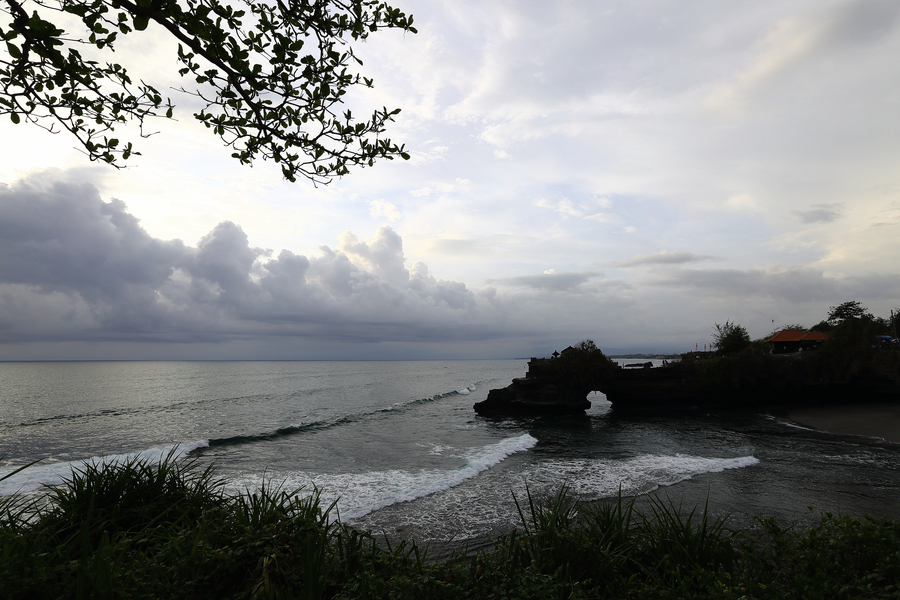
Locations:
{"points": [[271, 76]]}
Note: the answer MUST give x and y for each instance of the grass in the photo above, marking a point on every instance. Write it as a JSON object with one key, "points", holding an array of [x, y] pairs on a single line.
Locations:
{"points": [[137, 529]]}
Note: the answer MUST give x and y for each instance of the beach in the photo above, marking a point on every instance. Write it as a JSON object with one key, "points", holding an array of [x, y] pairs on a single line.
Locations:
{"points": [[874, 420]]}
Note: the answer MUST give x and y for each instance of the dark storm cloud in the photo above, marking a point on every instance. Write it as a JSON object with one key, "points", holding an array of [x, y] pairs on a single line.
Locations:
{"points": [[73, 267], [61, 236], [662, 258], [820, 213], [793, 285], [551, 282]]}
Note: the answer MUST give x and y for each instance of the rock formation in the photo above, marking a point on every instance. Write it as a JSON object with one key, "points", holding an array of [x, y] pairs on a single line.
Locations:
{"points": [[535, 396], [552, 386]]}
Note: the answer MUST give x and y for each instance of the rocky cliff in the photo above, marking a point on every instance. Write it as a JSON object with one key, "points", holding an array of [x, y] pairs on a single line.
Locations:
{"points": [[534, 396], [552, 386]]}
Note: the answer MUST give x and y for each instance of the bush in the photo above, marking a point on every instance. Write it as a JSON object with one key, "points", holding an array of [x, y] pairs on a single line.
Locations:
{"points": [[730, 338], [185, 538], [581, 365]]}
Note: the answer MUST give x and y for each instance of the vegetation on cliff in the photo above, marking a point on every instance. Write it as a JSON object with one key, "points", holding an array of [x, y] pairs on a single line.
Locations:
{"points": [[168, 530], [730, 338], [581, 365], [553, 386], [852, 353]]}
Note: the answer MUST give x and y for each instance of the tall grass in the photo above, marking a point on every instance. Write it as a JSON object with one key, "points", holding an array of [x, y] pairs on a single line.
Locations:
{"points": [[139, 529]]}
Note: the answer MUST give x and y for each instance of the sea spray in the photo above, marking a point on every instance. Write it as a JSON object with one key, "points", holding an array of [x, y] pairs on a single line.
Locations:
{"points": [[359, 494], [39, 475]]}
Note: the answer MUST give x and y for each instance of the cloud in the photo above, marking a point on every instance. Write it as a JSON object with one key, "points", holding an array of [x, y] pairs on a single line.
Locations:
{"points": [[73, 267], [585, 209], [820, 213], [382, 208], [428, 156], [550, 280], [798, 42], [622, 148], [663, 257], [441, 187], [459, 247], [79, 275], [795, 285], [382, 254]]}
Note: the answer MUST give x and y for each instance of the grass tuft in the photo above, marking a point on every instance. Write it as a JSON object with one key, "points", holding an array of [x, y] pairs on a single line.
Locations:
{"points": [[147, 530]]}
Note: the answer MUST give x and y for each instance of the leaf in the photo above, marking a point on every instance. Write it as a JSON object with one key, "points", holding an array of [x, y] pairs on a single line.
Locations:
{"points": [[265, 91]]}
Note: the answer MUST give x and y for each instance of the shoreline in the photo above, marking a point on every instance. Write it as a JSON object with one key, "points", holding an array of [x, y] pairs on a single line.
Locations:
{"points": [[880, 420]]}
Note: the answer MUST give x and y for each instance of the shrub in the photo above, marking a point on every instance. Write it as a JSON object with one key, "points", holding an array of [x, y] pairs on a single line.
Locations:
{"points": [[730, 338], [185, 538]]}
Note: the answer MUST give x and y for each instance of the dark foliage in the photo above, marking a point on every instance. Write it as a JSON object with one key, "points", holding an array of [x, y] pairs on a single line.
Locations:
{"points": [[822, 326], [271, 76], [582, 365], [848, 311], [730, 338], [851, 353], [184, 538]]}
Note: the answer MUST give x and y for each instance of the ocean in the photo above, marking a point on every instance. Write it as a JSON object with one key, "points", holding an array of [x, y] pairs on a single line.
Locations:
{"points": [[399, 448]]}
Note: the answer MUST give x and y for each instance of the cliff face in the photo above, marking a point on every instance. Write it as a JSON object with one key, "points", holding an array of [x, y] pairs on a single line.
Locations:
{"points": [[750, 381], [533, 396], [838, 373], [553, 386]]}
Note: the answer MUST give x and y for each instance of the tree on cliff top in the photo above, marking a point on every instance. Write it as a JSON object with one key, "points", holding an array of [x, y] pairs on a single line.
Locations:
{"points": [[730, 337], [846, 311], [582, 364], [271, 77]]}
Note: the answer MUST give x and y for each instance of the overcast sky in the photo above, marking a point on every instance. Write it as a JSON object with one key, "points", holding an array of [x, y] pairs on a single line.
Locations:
{"points": [[631, 172]]}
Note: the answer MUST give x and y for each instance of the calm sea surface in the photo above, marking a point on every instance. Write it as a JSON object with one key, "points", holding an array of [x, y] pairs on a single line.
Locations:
{"points": [[400, 448]]}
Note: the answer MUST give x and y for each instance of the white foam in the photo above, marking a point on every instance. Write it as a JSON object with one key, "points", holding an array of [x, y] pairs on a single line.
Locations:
{"points": [[463, 391], [474, 509], [638, 475], [39, 475], [362, 493], [789, 423]]}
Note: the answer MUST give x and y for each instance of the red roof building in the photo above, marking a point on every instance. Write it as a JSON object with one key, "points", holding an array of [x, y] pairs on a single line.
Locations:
{"points": [[794, 340]]}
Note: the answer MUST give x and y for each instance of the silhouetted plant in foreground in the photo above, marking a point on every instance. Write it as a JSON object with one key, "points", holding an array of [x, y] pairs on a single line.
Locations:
{"points": [[137, 529]]}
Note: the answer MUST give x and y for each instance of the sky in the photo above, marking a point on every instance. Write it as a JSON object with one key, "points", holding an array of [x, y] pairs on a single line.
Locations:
{"points": [[631, 172]]}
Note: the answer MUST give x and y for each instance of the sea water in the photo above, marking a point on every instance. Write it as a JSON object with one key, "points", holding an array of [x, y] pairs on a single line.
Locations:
{"points": [[398, 448]]}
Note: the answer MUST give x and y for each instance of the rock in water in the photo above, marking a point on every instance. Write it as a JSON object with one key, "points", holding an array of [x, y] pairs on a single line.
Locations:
{"points": [[533, 396], [552, 386]]}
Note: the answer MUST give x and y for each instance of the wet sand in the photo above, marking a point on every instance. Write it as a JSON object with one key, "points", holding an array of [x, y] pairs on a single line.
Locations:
{"points": [[877, 420]]}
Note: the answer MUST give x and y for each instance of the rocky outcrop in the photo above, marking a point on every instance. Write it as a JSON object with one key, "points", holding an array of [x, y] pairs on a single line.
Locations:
{"points": [[846, 369], [535, 396], [552, 386]]}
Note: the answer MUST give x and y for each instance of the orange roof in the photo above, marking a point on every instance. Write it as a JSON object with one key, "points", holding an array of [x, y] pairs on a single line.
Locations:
{"points": [[815, 336], [788, 335], [795, 335]]}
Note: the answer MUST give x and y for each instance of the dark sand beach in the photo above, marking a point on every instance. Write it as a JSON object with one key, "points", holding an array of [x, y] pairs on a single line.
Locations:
{"points": [[877, 420]]}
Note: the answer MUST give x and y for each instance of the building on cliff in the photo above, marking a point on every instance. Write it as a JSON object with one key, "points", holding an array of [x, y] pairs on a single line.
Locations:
{"points": [[794, 340]]}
